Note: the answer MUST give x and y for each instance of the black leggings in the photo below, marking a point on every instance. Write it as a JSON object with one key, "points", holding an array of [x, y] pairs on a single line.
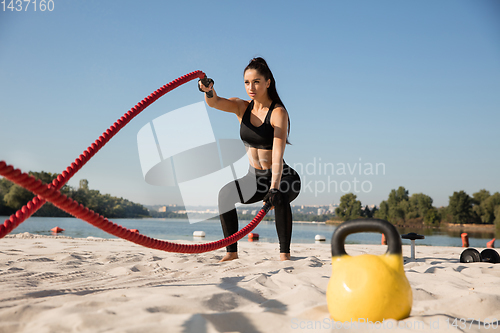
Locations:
{"points": [[252, 188]]}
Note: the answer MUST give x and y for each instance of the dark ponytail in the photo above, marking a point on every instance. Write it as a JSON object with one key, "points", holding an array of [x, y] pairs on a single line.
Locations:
{"points": [[260, 65]]}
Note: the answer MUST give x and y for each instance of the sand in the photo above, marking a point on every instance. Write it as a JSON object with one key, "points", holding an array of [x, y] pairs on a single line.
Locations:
{"points": [[60, 284]]}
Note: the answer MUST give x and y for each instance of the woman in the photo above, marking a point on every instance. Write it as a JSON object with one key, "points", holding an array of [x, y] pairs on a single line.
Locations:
{"points": [[264, 131]]}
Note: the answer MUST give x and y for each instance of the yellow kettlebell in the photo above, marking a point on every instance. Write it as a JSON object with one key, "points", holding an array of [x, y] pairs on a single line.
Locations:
{"points": [[367, 287]]}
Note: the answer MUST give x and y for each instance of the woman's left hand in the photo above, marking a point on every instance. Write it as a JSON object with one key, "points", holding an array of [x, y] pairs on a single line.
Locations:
{"points": [[273, 197]]}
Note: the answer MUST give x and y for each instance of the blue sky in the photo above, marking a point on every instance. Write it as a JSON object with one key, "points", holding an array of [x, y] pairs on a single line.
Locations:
{"points": [[411, 85]]}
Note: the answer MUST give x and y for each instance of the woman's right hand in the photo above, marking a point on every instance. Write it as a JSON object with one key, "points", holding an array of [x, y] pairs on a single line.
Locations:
{"points": [[204, 88]]}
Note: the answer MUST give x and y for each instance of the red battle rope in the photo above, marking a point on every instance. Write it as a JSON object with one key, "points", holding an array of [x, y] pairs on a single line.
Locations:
{"points": [[51, 192]]}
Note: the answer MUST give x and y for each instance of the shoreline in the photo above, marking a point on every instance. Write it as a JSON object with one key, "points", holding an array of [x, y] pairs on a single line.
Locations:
{"points": [[201, 240], [446, 226], [471, 227]]}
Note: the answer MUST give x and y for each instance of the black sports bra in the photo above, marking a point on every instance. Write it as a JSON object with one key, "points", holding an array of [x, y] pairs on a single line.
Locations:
{"points": [[260, 137]]}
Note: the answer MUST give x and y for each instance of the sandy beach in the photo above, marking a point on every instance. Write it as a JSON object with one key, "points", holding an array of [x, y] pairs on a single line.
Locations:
{"points": [[60, 284]]}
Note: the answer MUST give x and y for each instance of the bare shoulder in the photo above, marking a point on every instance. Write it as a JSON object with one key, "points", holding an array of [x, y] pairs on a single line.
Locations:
{"points": [[240, 106], [233, 105], [279, 115]]}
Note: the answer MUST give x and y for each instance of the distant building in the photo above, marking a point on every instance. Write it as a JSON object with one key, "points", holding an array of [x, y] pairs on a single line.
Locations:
{"points": [[162, 209]]}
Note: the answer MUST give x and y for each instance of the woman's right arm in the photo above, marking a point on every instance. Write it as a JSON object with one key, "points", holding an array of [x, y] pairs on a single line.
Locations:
{"points": [[234, 105]]}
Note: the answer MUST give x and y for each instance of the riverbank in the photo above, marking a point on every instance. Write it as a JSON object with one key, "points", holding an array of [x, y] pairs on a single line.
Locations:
{"points": [[471, 227], [62, 284], [449, 226]]}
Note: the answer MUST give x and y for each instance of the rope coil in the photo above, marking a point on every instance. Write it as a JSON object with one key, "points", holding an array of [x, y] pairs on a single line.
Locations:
{"points": [[51, 192]]}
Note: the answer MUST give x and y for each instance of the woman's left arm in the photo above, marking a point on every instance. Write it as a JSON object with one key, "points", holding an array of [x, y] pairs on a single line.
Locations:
{"points": [[279, 120]]}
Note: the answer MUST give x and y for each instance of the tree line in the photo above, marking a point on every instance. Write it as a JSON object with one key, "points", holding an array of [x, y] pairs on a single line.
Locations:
{"points": [[13, 197], [401, 209]]}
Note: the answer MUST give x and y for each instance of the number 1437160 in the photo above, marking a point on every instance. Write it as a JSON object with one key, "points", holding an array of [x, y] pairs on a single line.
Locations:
{"points": [[27, 5]]}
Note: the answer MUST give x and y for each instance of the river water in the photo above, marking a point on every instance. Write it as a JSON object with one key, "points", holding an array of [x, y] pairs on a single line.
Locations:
{"points": [[181, 229]]}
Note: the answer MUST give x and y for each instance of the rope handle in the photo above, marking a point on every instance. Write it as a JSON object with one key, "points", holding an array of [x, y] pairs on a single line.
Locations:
{"points": [[206, 82]]}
